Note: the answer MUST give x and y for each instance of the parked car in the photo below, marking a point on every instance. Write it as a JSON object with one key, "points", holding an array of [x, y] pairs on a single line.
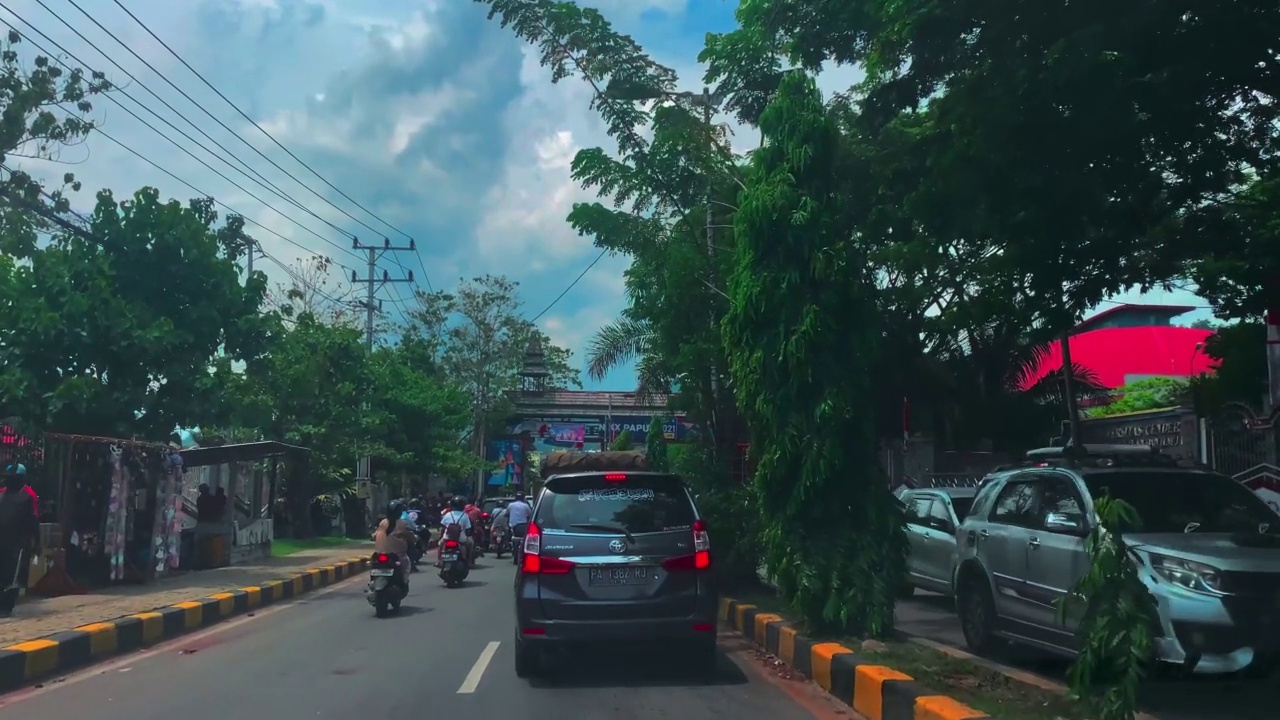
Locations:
{"points": [[1208, 550], [933, 515], [613, 559]]}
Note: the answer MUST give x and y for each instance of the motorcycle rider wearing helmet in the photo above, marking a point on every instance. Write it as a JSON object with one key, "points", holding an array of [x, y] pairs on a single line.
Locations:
{"points": [[393, 537], [457, 515]]}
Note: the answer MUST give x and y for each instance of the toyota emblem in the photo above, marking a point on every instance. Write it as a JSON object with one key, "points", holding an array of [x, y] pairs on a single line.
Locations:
{"points": [[617, 546]]}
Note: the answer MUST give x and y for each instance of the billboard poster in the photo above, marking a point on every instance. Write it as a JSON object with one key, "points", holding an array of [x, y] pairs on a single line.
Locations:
{"points": [[510, 458], [674, 429]]}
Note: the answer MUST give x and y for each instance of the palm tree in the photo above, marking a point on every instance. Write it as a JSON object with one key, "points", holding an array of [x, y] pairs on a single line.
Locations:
{"points": [[625, 340]]}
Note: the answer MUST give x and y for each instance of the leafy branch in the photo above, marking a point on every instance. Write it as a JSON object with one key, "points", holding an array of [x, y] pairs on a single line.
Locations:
{"points": [[1118, 615]]}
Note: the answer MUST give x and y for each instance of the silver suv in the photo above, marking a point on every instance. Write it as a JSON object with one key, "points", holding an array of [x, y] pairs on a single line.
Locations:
{"points": [[615, 557], [1208, 549]]}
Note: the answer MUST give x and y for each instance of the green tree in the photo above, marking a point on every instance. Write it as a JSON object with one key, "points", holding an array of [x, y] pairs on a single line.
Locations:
{"points": [[120, 323], [801, 332], [655, 442], [1149, 394], [45, 105], [562, 374], [310, 391], [1239, 271], [622, 442]]}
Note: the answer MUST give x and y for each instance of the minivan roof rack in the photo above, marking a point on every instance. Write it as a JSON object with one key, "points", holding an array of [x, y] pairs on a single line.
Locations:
{"points": [[1092, 450], [1099, 456]]}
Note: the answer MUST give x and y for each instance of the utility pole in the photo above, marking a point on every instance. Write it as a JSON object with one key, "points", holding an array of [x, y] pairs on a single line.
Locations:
{"points": [[708, 110], [372, 305]]}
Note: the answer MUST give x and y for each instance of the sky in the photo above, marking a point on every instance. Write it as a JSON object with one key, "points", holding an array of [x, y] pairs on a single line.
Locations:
{"points": [[420, 118]]}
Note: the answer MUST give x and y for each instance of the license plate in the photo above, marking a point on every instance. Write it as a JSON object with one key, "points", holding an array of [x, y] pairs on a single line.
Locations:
{"points": [[619, 576], [449, 557], [381, 573]]}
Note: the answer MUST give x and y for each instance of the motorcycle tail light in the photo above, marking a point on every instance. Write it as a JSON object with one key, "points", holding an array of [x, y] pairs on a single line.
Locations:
{"points": [[450, 544], [383, 559]]}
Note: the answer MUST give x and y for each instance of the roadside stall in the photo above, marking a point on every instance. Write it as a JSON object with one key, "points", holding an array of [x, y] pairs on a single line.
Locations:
{"points": [[116, 512]]}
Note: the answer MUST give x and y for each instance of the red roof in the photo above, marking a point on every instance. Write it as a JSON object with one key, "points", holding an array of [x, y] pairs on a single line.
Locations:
{"points": [[1168, 311], [1117, 354]]}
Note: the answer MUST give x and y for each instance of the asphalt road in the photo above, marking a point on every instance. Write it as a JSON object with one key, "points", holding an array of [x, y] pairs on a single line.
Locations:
{"points": [[446, 655], [1197, 698]]}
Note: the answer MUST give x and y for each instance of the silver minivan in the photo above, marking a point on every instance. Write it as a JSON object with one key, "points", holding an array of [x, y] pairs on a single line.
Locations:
{"points": [[615, 557], [932, 516], [1207, 549]]}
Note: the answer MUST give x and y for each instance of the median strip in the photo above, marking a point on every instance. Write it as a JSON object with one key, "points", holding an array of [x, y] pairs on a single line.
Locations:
{"points": [[874, 690], [31, 661]]}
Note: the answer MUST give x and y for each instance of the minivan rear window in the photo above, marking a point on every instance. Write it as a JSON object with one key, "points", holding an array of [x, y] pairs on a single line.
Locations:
{"points": [[639, 504]]}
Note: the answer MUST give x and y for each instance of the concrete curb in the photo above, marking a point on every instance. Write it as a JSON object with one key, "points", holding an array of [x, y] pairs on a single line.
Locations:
{"points": [[33, 660], [874, 691]]}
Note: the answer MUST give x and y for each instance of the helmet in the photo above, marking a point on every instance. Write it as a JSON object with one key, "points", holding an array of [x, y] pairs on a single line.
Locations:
{"points": [[394, 510], [16, 469], [502, 503], [458, 503], [520, 496]]}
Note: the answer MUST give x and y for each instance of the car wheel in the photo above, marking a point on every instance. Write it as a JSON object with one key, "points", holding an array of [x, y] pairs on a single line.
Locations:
{"points": [[977, 615], [527, 660]]}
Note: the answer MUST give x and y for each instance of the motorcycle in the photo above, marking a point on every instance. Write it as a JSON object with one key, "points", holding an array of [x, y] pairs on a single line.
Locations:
{"points": [[454, 565], [500, 541], [387, 586], [417, 549], [517, 541]]}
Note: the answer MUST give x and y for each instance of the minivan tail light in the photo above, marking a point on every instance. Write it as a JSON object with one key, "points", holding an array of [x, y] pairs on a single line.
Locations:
{"points": [[700, 560], [533, 561], [701, 557]]}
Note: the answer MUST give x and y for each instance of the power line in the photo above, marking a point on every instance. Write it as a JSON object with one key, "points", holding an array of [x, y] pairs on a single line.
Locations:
{"points": [[156, 130], [246, 116], [564, 292], [252, 174], [296, 277]]}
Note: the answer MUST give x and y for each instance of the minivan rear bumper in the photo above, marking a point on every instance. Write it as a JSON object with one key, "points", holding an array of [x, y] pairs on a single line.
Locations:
{"points": [[634, 631], [701, 623]]}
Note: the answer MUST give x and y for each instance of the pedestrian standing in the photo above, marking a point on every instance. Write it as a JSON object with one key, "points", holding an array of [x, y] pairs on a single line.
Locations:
{"points": [[19, 533]]}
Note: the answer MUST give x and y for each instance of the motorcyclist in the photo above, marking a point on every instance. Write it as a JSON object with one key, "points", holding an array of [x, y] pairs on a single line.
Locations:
{"points": [[457, 515], [393, 537], [519, 513], [500, 518], [499, 525], [477, 523]]}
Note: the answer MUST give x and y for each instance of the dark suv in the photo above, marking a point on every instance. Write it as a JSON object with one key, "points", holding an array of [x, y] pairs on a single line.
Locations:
{"points": [[611, 557]]}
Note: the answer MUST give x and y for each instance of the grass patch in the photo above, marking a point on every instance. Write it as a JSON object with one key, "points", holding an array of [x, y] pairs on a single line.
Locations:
{"points": [[289, 546], [981, 688], [974, 685]]}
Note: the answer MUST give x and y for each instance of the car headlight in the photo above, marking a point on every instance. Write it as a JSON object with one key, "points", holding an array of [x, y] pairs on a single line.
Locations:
{"points": [[1188, 574]]}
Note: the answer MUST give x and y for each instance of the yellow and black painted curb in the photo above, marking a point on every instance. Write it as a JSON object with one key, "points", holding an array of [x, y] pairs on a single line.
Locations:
{"points": [[874, 691], [33, 660]]}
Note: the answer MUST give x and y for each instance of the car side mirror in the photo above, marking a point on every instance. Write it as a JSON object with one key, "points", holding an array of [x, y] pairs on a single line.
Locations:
{"points": [[1067, 523]]}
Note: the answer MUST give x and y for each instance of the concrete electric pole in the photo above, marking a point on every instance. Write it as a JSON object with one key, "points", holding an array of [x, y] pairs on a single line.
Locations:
{"points": [[372, 305]]}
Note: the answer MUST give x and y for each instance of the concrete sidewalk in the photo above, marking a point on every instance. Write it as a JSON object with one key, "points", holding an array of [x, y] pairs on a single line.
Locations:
{"points": [[39, 617]]}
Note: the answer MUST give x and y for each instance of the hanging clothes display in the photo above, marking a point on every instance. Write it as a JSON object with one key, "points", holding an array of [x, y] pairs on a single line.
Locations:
{"points": [[173, 512], [116, 530]]}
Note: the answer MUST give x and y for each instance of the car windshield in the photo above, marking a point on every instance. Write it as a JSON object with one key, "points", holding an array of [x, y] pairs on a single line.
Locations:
{"points": [[961, 505], [639, 504], [1179, 502]]}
